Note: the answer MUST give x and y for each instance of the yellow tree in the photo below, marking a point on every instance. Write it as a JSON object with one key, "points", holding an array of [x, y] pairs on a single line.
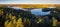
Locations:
{"points": [[19, 23], [54, 22], [40, 20]]}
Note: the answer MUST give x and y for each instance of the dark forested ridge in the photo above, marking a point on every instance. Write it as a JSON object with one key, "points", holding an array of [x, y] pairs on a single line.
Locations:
{"points": [[10, 17]]}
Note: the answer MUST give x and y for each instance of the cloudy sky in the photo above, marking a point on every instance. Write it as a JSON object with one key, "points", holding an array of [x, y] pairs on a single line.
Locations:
{"points": [[29, 1]]}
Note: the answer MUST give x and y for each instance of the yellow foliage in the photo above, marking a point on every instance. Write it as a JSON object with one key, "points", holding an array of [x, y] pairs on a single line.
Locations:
{"points": [[14, 21], [10, 15], [24, 20], [40, 20], [13, 17], [55, 21], [8, 24], [1, 12], [19, 23]]}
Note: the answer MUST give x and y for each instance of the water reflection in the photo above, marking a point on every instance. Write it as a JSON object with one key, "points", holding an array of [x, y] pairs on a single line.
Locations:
{"points": [[39, 12]]}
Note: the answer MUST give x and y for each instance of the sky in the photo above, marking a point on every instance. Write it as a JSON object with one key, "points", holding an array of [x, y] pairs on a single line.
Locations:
{"points": [[29, 1]]}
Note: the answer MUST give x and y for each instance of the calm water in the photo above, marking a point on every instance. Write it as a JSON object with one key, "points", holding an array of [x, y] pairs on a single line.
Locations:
{"points": [[39, 12]]}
